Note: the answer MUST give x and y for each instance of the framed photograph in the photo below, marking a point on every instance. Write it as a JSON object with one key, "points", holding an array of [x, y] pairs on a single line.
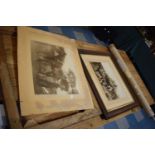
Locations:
{"points": [[113, 93], [51, 78]]}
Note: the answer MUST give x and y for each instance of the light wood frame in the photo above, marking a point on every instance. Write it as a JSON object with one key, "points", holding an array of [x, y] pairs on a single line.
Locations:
{"points": [[32, 103]]}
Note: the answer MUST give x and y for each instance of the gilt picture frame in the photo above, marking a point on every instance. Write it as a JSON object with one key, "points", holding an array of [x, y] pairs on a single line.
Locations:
{"points": [[111, 88], [50, 75]]}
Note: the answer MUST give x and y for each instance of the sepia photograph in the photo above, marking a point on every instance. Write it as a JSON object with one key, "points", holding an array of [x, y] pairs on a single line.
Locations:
{"points": [[50, 76], [108, 84]]}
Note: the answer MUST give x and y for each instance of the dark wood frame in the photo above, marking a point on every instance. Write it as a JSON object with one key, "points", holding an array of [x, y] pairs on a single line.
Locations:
{"points": [[113, 113]]}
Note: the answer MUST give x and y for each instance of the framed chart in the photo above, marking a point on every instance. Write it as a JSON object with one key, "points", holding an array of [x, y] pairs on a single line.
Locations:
{"points": [[51, 77], [111, 90]]}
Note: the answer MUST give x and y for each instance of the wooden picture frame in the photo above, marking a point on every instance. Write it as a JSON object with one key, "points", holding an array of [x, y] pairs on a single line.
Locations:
{"points": [[111, 105], [50, 74]]}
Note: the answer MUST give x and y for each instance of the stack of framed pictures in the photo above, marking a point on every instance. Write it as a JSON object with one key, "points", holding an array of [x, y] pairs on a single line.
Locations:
{"points": [[108, 83], [36, 69], [51, 77]]}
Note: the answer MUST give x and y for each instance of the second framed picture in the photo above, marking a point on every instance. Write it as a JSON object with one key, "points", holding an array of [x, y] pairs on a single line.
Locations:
{"points": [[110, 87]]}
